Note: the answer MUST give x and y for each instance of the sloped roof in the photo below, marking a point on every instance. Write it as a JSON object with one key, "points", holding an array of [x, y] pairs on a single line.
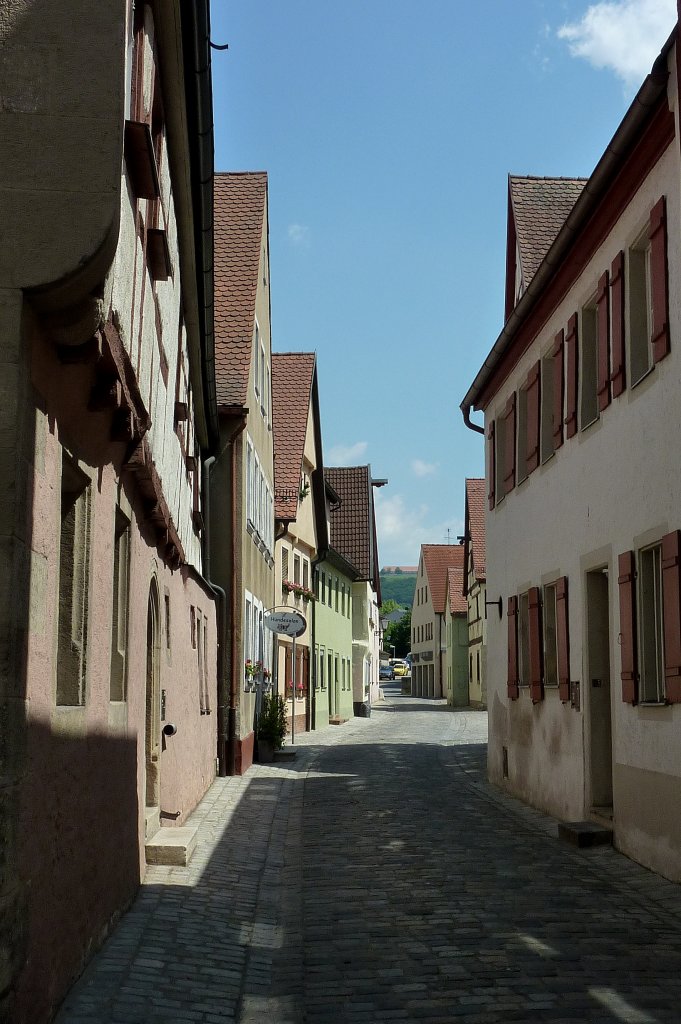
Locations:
{"points": [[458, 605], [540, 208], [352, 522], [437, 559], [240, 207], [292, 375], [475, 525]]}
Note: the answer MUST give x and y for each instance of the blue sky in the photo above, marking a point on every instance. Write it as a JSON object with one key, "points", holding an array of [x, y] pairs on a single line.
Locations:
{"points": [[388, 129]]}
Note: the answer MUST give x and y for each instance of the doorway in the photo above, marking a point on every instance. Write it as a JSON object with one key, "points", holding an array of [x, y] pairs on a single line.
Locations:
{"points": [[598, 683], [153, 703]]}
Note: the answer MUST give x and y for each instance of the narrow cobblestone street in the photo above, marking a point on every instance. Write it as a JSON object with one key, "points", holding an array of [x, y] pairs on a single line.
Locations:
{"points": [[379, 877]]}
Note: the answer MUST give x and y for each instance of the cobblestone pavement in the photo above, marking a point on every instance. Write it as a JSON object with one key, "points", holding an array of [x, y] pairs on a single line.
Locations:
{"points": [[380, 878]]}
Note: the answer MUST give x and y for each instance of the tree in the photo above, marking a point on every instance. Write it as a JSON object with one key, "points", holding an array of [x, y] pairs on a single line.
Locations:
{"points": [[398, 634], [388, 607]]}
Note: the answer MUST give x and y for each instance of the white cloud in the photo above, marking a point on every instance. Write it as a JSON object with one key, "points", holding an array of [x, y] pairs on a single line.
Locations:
{"points": [[622, 35], [298, 234], [403, 529], [346, 454], [421, 468]]}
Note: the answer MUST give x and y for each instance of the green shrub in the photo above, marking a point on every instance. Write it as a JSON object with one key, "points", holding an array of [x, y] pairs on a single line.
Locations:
{"points": [[272, 723]]}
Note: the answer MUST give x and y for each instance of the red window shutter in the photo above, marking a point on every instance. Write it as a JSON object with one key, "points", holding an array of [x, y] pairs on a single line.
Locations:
{"points": [[618, 373], [572, 346], [513, 688], [659, 280], [563, 638], [671, 601], [491, 461], [558, 390], [603, 319], [509, 445], [533, 407], [627, 638], [536, 681]]}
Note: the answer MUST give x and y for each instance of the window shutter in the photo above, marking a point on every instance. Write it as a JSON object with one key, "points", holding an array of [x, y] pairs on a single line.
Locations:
{"points": [[563, 638], [536, 683], [671, 601], [533, 407], [558, 390], [571, 343], [603, 316], [509, 444], [513, 690], [627, 583], [659, 280], [491, 463], [618, 374]]}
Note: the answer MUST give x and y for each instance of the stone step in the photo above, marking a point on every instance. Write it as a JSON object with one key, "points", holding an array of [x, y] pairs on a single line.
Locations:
{"points": [[285, 754], [584, 833], [337, 720], [172, 846], [152, 821]]}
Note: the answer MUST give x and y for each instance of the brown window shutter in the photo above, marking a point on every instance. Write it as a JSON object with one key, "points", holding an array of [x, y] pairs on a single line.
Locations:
{"points": [[627, 587], [513, 690], [671, 601], [563, 639], [618, 373], [533, 409], [536, 682], [509, 444], [572, 346], [491, 460], [659, 280], [558, 390], [603, 318]]}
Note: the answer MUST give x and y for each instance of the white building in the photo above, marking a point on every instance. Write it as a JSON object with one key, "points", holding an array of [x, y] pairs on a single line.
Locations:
{"points": [[580, 395]]}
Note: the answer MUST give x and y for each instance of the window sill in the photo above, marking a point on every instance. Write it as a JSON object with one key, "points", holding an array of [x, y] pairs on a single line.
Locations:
{"points": [[654, 704], [585, 426], [643, 377]]}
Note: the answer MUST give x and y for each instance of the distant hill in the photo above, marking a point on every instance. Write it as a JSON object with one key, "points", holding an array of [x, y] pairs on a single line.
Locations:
{"points": [[399, 586]]}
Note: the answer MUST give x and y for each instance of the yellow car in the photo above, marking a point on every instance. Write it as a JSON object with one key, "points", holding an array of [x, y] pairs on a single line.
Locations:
{"points": [[400, 668]]}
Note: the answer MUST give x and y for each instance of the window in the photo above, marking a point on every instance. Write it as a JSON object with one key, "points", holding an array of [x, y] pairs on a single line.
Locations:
{"points": [[322, 587], [588, 409], [651, 625], [337, 603], [256, 350], [206, 696], [316, 661], [550, 637], [322, 660], [119, 609], [74, 571], [547, 404], [640, 310], [296, 569], [306, 573], [524, 639], [167, 621], [192, 625], [284, 565]]}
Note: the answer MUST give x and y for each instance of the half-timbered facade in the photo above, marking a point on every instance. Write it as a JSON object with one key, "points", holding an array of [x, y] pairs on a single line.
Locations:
{"points": [[580, 399], [428, 634], [475, 591]]}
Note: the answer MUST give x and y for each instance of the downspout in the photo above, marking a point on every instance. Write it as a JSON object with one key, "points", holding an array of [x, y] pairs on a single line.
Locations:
{"points": [[234, 678], [222, 616], [227, 694], [313, 635], [467, 410]]}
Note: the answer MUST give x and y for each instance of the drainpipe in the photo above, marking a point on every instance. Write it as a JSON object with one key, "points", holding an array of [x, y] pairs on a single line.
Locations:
{"points": [[321, 555], [227, 690], [466, 410]]}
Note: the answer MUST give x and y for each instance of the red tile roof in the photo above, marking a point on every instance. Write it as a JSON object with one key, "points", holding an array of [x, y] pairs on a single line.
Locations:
{"points": [[240, 208], [540, 208], [352, 523], [437, 559], [292, 375], [458, 605], [474, 526]]}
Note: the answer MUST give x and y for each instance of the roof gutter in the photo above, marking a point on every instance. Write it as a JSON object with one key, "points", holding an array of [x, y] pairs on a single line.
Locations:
{"points": [[197, 57], [626, 135]]}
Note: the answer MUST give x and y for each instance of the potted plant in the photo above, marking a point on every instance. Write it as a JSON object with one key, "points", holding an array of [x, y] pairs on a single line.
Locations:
{"points": [[272, 726]]}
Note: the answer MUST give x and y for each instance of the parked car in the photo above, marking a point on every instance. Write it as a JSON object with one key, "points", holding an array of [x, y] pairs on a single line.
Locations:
{"points": [[386, 672], [400, 667]]}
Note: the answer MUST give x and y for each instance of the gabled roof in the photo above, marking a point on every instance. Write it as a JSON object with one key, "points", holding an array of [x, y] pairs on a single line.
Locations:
{"points": [[437, 559], [540, 208], [292, 376], [458, 605], [474, 526], [353, 523], [240, 207]]}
